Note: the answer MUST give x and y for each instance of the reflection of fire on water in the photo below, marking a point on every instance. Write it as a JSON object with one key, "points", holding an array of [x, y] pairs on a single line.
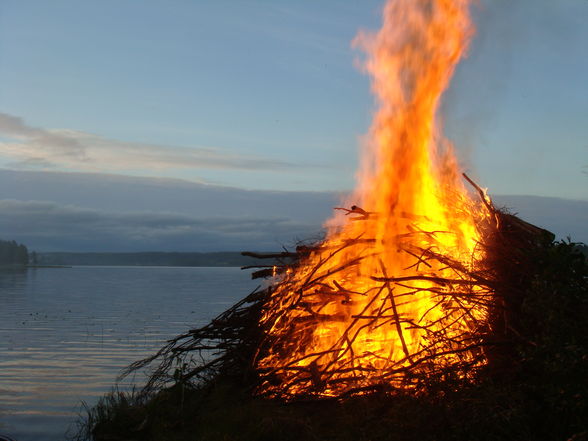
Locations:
{"points": [[391, 295]]}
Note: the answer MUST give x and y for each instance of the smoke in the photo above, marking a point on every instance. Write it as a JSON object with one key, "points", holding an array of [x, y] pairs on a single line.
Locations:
{"points": [[474, 99]]}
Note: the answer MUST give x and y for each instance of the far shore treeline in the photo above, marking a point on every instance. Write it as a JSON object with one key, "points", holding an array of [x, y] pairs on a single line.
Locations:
{"points": [[147, 259], [12, 253], [156, 258]]}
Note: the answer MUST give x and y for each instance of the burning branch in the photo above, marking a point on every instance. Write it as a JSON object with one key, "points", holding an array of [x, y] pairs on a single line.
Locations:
{"points": [[407, 291]]}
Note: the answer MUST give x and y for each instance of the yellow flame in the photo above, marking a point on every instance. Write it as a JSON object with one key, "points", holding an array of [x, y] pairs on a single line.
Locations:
{"points": [[411, 199]]}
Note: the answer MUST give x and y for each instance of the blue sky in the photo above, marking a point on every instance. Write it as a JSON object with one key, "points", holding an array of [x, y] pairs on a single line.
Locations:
{"points": [[274, 84], [259, 95]]}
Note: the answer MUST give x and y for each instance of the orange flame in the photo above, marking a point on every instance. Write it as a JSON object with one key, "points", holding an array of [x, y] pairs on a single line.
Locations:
{"points": [[368, 303]]}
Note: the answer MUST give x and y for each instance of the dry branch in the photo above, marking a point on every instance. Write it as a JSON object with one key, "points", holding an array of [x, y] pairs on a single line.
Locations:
{"points": [[231, 343]]}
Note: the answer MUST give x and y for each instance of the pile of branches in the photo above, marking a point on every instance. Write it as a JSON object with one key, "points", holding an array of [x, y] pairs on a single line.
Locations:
{"points": [[228, 347], [344, 368]]}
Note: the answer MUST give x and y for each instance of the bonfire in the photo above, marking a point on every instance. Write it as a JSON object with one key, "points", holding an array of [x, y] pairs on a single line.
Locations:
{"points": [[407, 285]]}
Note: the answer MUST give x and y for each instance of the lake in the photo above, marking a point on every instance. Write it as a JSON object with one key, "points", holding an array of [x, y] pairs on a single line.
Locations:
{"points": [[66, 333]]}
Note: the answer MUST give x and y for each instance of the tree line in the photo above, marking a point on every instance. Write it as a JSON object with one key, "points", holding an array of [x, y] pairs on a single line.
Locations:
{"points": [[12, 253]]}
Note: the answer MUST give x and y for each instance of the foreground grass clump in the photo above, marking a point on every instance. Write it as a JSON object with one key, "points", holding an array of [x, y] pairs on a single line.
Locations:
{"points": [[541, 393]]}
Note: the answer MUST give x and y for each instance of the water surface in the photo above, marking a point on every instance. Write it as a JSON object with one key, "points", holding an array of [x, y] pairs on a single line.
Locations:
{"points": [[65, 333]]}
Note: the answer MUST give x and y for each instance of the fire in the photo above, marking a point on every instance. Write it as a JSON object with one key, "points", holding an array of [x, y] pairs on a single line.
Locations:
{"points": [[392, 291]]}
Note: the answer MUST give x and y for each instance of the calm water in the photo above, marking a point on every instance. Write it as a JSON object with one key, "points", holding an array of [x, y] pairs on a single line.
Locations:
{"points": [[65, 333]]}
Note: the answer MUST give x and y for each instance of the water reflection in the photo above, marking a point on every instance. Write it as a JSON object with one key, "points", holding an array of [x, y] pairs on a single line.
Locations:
{"points": [[65, 333]]}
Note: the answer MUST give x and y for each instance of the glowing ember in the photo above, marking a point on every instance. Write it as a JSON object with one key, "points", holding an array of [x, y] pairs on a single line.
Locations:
{"points": [[391, 294]]}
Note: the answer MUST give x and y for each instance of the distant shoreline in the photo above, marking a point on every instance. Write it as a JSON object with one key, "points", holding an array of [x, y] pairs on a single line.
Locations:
{"points": [[47, 266], [153, 258]]}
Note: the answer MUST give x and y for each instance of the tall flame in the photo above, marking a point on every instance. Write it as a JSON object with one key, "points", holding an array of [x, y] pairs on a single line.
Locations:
{"points": [[378, 298]]}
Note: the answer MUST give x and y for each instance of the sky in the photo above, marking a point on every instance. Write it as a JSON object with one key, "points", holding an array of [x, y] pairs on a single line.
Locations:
{"points": [[266, 96]]}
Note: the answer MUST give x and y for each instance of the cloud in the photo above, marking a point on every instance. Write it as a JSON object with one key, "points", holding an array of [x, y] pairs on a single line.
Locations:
{"points": [[36, 147], [119, 193], [56, 211], [47, 226]]}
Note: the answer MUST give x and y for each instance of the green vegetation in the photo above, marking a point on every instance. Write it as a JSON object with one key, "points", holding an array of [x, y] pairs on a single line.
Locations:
{"points": [[540, 393], [12, 253]]}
